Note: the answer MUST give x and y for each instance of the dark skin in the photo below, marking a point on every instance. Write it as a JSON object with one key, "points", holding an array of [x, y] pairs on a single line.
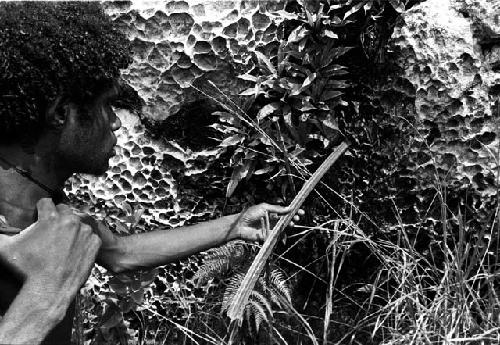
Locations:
{"points": [[52, 257]]}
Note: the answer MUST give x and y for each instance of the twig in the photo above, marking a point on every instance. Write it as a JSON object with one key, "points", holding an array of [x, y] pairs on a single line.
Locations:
{"points": [[235, 310]]}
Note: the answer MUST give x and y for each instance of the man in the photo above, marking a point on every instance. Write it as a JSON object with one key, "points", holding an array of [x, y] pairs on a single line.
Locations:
{"points": [[58, 68]]}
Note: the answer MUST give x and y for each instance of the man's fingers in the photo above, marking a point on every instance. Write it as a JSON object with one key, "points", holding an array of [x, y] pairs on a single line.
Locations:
{"points": [[64, 210], [276, 209], [5, 239], [46, 209], [9, 230]]}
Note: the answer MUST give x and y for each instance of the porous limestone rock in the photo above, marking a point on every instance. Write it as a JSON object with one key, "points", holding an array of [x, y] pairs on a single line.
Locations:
{"points": [[178, 43], [452, 71]]}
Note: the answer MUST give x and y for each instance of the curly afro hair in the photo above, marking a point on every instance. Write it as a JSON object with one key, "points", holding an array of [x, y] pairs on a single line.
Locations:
{"points": [[48, 49]]}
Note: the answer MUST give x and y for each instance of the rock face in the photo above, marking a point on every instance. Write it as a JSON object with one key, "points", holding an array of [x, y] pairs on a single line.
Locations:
{"points": [[450, 65], [178, 43]]}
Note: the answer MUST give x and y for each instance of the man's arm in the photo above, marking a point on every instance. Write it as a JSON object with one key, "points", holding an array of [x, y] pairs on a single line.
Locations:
{"points": [[31, 316], [155, 248], [53, 258]]}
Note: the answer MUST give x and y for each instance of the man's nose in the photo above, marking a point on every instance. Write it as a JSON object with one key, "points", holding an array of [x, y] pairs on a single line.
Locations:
{"points": [[116, 124]]}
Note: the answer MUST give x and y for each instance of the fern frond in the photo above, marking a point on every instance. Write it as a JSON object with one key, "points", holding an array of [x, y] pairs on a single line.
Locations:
{"points": [[248, 316], [258, 313], [262, 300], [278, 282], [277, 285], [218, 262], [231, 288]]}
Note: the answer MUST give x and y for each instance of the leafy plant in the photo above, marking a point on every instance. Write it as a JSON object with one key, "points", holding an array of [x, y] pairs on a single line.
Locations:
{"points": [[293, 94], [126, 290]]}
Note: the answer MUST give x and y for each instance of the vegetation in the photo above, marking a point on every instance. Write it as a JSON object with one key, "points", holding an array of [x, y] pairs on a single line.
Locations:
{"points": [[357, 273]]}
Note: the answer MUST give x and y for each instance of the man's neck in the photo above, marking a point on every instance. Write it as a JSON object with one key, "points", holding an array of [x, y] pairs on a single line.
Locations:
{"points": [[19, 194]]}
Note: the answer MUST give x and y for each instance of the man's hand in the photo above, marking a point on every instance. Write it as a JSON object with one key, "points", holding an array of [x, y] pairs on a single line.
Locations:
{"points": [[252, 225], [54, 256]]}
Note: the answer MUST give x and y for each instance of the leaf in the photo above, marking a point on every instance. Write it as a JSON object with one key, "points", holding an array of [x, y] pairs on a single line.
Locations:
{"points": [[264, 170], [112, 317], [265, 60], [398, 5], [249, 77], [127, 207], [239, 173], [296, 89], [334, 70], [248, 92], [287, 116], [302, 45], [330, 122], [355, 9], [121, 229], [338, 84], [267, 110], [138, 215], [118, 286], [127, 305], [298, 34], [232, 140], [330, 33], [338, 52], [325, 96], [336, 7], [148, 277], [308, 81], [138, 296], [306, 105]]}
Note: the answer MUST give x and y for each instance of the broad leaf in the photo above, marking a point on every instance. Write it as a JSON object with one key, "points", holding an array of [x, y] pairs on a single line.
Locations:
{"points": [[338, 84], [334, 70], [398, 5], [331, 34], [121, 229], [298, 34], [264, 170], [325, 96], [355, 9], [239, 173], [118, 286], [338, 52], [248, 92], [248, 77], [265, 60], [232, 140], [308, 81], [267, 110]]}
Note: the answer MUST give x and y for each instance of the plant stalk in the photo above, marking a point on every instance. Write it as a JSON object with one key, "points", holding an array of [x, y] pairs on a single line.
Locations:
{"points": [[235, 310]]}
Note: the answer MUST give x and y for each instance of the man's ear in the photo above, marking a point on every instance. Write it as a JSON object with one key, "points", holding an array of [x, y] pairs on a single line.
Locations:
{"points": [[57, 113]]}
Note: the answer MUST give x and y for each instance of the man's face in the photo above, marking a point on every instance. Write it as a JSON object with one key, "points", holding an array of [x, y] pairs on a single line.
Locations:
{"points": [[87, 141]]}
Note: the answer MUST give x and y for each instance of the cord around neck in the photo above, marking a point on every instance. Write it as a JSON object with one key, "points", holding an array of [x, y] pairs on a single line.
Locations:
{"points": [[57, 196]]}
